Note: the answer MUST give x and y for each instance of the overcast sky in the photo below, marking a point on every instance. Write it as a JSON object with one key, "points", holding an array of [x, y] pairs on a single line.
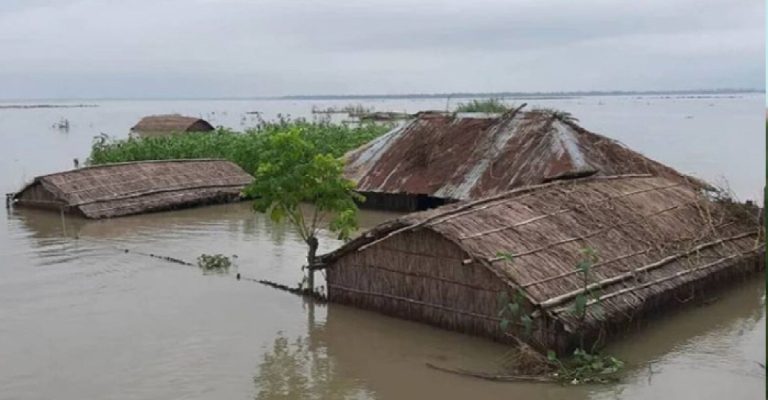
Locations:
{"points": [[219, 48]]}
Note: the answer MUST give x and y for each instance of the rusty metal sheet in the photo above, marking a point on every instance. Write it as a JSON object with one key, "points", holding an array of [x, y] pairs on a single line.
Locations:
{"points": [[468, 156]]}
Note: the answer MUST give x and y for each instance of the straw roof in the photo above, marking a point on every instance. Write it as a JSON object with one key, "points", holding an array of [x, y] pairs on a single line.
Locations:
{"points": [[653, 236], [171, 123], [467, 156], [129, 188]]}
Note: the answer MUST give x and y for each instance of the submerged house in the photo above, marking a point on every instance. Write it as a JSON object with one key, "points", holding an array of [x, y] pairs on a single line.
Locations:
{"points": [[651, 244], [438, 158], [159, 125], [114, 190]]}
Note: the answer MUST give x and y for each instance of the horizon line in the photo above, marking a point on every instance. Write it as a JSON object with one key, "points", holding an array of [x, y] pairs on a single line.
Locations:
{"points": [[503, 94]]}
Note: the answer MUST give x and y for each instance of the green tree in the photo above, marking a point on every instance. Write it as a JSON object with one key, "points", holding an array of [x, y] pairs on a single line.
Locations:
{"points": [[292, 172]]}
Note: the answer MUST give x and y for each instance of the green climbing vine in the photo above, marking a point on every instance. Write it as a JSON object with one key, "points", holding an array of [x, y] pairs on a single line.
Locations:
{"points": [[511, 309], [589, 258], [581, 366]]}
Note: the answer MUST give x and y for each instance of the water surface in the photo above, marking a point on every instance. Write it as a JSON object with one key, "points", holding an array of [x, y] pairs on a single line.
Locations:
{"points": [[82, 318]]}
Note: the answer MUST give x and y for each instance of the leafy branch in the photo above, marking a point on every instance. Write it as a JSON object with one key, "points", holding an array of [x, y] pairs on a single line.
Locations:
{"points": [[293, 173]]}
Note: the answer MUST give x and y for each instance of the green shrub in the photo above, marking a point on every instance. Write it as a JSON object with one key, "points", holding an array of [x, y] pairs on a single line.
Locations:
{"points": [[484, 105], [242, 148]]}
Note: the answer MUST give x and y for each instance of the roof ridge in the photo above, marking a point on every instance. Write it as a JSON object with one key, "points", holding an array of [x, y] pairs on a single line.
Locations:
{"points": [[151, 192], [118, 164]]}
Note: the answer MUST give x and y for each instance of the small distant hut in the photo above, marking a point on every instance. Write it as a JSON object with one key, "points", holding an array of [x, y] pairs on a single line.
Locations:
{"points": [[114, 190], [438, 158], [159, 125], [658, 244]]}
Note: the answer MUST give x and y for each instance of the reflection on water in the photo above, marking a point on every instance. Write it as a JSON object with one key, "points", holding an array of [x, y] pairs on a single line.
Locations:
{"points": [[239, 231], [235, 217], [302, 368], [298, 370]]}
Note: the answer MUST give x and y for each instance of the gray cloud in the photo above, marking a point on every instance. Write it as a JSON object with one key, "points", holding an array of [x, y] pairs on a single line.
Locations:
{"points": [[148, 48]]}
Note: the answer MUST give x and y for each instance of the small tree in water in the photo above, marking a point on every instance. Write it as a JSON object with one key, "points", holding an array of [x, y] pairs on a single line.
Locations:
{"points": [[292, 172]]}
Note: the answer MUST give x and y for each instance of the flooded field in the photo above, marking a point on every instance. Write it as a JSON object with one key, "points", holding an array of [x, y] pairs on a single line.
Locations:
{"points": [[82, 318]]}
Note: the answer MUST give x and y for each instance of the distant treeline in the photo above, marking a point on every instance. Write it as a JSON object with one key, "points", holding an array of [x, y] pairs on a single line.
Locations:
{"points": [[521, 95], [25, 106]]}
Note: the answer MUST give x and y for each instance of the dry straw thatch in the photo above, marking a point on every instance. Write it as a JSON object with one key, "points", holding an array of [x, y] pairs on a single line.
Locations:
{"points": [[659, 242], [114, 190], [155, 125], [468, 156]]}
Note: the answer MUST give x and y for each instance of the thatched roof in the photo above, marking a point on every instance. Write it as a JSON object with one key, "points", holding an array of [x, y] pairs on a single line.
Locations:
{"points": [[136, 187], [171, 123], [652, 235], [472, 155]]}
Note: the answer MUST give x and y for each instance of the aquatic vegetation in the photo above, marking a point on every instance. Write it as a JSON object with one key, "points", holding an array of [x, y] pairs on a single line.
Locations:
{"points": [[584, 367], [243, 148], [214, 263], [493, 105]]}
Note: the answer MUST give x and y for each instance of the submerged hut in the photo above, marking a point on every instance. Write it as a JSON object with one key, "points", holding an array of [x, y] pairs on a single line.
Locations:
{"points": [[438, 158], [114, 190], [648, 243], [159, 125]]}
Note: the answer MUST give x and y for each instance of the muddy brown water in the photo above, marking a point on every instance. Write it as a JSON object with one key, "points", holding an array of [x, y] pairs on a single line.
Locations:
{"points": [[81, 318]]}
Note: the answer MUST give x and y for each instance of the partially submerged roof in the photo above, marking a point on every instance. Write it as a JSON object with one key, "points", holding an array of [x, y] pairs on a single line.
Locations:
{"points": [[652, 235], [170, 123], [113, 190], [471, 155]]}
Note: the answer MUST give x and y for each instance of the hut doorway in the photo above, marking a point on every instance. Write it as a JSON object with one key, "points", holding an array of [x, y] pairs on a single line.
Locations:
{"points": [[425, 202]]}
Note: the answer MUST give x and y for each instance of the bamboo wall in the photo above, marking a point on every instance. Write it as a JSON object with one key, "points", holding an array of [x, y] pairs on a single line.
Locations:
{"points": [[39, 197], [420, 276]]}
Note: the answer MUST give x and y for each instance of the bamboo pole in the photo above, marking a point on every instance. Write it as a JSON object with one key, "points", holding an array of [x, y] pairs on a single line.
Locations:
{"points": [[557, 300], [593, 233], [565, 210], [576, 271], [664, 279], [494, 377], [523, 191], [474, 206], [141, 193]]}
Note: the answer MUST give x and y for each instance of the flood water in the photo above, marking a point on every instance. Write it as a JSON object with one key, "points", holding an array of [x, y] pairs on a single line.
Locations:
{"points": [[82, 318]]}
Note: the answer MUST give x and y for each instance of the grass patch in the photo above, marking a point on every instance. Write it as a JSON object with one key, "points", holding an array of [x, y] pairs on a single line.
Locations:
{"points": [[483, 105], [243, 148]]}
